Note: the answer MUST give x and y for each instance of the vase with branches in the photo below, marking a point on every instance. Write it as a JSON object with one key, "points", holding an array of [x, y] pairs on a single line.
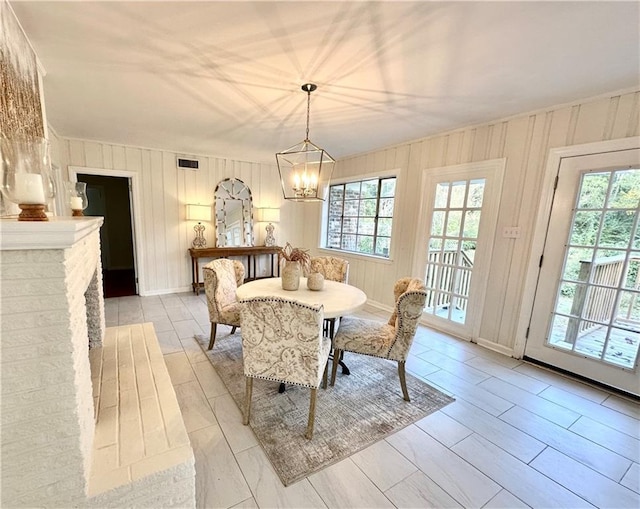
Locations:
{"points": [[294, 261]]}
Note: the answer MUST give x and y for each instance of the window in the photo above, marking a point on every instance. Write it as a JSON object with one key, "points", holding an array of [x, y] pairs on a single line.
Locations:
{"points": [[360, 216]]}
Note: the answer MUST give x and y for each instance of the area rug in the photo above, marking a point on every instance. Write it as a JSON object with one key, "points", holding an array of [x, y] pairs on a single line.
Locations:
{"points": [[362, 408]]}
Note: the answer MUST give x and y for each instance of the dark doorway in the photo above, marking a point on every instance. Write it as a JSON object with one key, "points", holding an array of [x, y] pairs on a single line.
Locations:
{"points": [[109, 197]]}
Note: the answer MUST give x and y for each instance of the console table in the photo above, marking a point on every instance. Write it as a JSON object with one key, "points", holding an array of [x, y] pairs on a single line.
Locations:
{"points": [[225, 252]]}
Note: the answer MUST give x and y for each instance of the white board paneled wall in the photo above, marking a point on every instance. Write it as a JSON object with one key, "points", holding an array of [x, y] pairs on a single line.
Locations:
{"points": [[165, 190], [523, 140]]}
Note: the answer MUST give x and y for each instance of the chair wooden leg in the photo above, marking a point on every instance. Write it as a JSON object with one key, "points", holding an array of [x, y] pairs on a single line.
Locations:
{"points": [[247, 400], [212, 338], [325, 375], [403, 380], [233, 329], [312, 415], [334, 367]]}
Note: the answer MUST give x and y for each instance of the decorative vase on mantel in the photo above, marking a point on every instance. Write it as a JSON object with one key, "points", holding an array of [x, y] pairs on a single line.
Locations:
{"points": [[291, 272]]}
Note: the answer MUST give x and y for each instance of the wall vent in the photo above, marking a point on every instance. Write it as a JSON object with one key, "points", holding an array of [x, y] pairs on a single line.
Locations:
{"points": [[191, 164]]}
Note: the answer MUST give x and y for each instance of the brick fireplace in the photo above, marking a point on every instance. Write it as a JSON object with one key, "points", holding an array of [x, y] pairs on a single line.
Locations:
{"points": [[52, 313]]}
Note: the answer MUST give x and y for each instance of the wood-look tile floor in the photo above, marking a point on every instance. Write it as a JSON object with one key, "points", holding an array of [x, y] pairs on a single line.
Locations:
{"points": [[517, 435]]}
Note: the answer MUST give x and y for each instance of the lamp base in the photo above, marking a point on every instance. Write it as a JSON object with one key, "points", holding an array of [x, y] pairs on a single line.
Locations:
{"points": [[77, 213], [199, 241], [270, 240], [32, 212]]}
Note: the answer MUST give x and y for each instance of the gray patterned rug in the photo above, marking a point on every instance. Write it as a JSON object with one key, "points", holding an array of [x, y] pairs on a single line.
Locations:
{"points": [[362, 408]]}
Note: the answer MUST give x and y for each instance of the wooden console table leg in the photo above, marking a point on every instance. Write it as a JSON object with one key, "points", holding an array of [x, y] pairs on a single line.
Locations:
{"points": [[196, 275]]}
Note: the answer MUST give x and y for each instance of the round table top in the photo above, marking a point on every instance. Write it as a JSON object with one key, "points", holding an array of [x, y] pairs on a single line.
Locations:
{"points": [[338, 299]]}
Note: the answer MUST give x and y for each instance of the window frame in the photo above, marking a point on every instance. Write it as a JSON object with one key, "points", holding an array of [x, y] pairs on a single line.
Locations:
{"points": [[324, 230]]}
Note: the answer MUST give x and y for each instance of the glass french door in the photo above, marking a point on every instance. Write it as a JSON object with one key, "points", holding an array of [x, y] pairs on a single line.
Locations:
{"points": [[586, 313], [460, 227]]}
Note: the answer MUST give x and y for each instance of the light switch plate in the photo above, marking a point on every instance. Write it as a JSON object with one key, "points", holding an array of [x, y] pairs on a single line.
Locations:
{"points": [[511, 232]]}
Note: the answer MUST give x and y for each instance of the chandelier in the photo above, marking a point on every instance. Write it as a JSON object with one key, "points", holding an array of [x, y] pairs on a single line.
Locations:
{"points": [[305, 169]]}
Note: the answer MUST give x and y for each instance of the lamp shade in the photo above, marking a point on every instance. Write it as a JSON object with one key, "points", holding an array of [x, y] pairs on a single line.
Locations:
{"points": [[268, 215], [198, 212]]}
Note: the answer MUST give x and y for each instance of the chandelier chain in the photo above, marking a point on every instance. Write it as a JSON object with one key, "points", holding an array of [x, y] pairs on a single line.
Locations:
{"points": [[308, 107]]}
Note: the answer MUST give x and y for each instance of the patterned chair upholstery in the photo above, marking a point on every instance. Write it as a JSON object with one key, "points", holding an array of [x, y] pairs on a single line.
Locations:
{"points": [[282, 341], [221, 279], [333, 269], [390, 340]]}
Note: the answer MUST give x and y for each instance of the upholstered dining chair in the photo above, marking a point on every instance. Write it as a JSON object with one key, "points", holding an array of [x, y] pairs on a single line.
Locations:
{"points": [[282, 341], [390, 340], [333, 269], [221, 279]]}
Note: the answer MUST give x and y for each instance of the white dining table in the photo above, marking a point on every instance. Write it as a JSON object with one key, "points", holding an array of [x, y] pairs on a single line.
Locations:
{"points": [[338, 299]]}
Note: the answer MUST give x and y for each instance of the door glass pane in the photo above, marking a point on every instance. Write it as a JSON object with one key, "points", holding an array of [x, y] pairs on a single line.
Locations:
{"points": [[476, 193], [594, 191], [471, 224], [454, 221], [458, 194], [442, 195], [437, 223], [616, 229], [597, 310]]}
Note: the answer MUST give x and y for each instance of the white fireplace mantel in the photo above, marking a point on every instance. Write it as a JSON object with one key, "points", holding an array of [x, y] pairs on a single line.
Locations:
{"points": [[57, 233]]}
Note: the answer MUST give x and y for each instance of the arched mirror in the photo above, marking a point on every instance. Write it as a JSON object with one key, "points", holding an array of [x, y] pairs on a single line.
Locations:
{"points": [[234, 214]]}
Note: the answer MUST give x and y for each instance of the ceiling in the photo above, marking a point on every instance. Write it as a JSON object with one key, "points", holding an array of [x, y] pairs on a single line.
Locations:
{"points": [[223, 78]]}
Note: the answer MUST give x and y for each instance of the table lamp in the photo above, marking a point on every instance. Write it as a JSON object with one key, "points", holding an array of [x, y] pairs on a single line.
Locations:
{"points": [[199, 213], [268, 215]]}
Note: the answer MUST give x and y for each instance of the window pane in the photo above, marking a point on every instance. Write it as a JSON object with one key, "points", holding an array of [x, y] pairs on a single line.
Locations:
{"points": [[368, 208], [357, 219], [369, 189], [350, 225], [388, 188], [365, 244], [334, 241], [335, 226], [336, 193], [386, 207], [382, 246], [349, 242], [352, 190], [366, 225], [384, 226], [351, 207]]}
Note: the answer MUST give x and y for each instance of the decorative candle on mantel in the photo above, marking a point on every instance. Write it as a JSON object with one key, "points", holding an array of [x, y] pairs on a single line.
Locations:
{"points": [[76, 203], [29, 188], [26, 175]]}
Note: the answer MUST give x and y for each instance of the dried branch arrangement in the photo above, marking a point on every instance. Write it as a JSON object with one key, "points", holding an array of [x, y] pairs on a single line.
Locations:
{"points": [[295, 254]]}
